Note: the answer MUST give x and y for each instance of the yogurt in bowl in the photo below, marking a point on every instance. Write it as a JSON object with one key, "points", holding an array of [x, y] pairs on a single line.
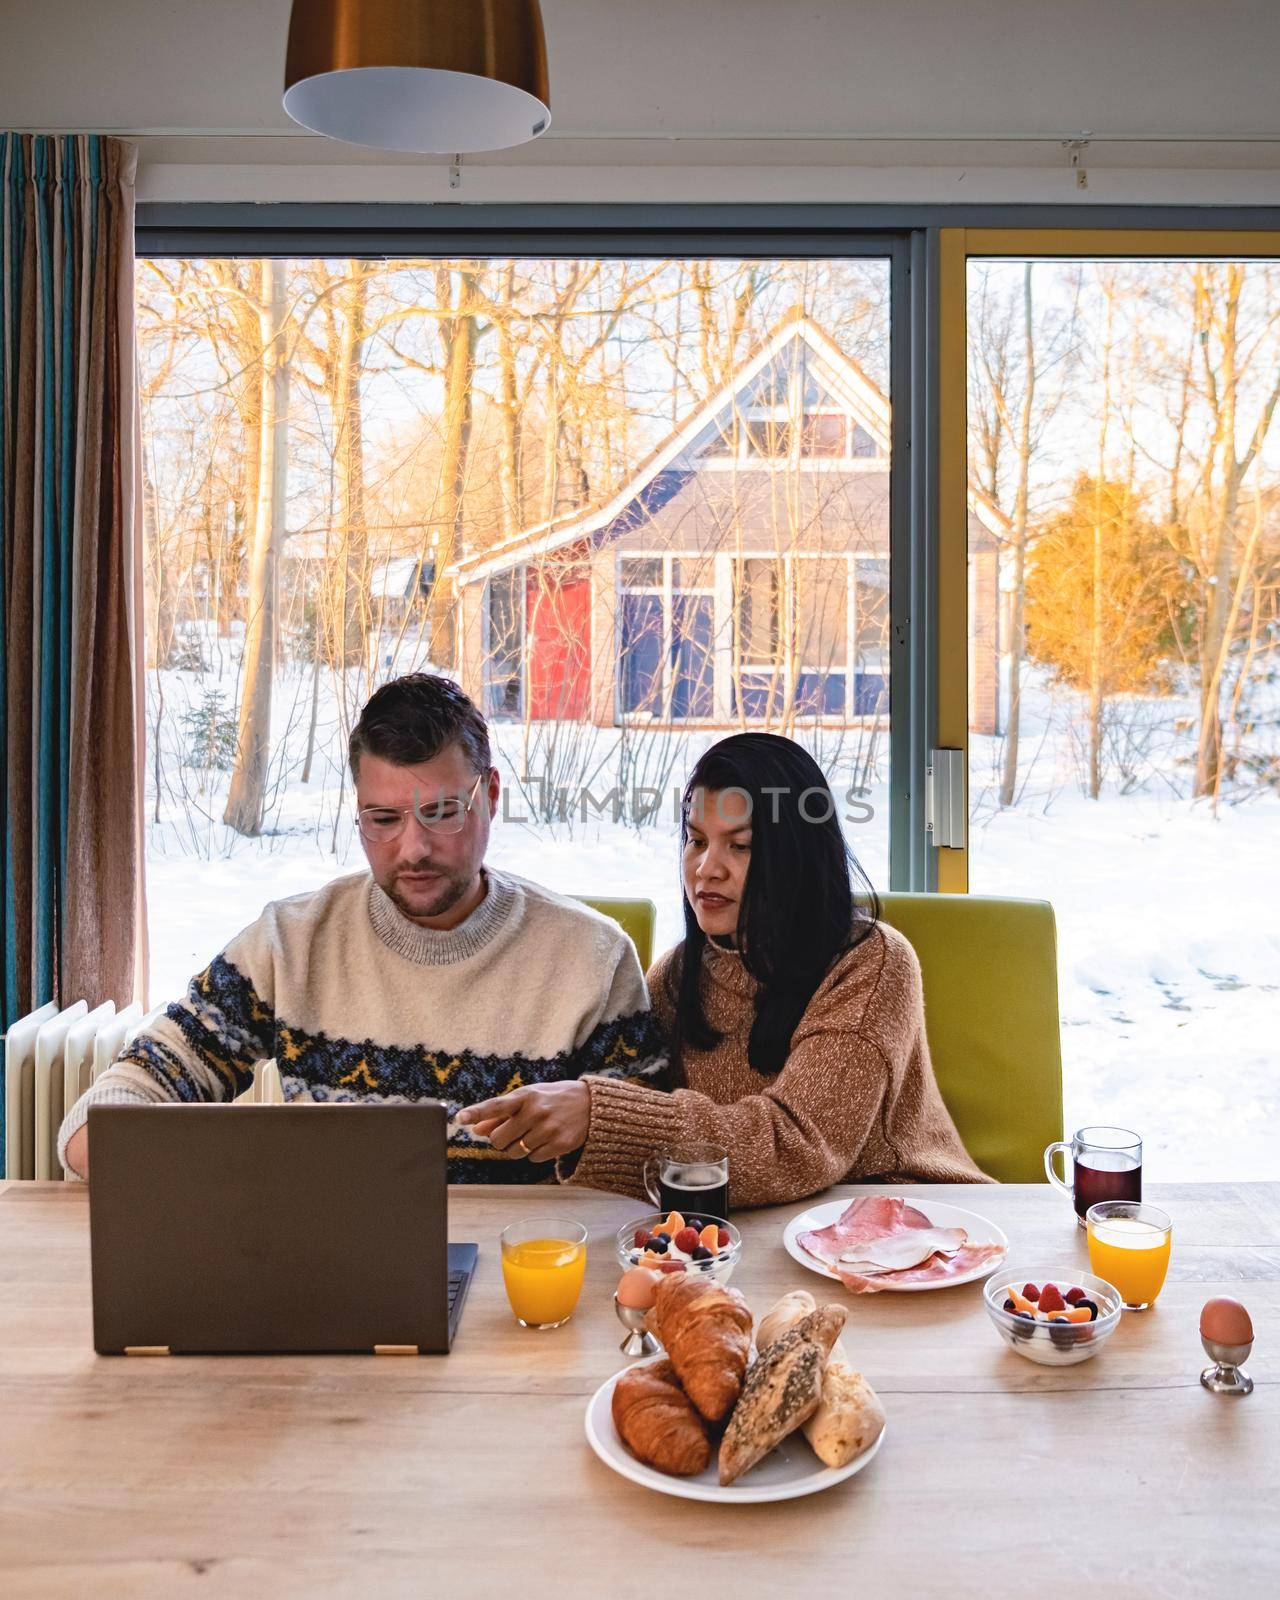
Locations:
{"points": [[670, 1242], [1067, 1318]]}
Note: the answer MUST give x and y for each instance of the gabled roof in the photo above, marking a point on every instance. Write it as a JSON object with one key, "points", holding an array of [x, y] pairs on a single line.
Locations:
{"points": [[670, 466]]}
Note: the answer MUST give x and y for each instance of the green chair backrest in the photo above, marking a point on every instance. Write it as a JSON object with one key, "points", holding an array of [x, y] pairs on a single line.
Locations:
{"points": [[990, 973], [636, 918]]}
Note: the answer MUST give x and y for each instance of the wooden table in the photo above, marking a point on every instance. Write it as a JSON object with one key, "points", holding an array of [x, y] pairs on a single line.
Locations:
{"points": [[470, 1475]]}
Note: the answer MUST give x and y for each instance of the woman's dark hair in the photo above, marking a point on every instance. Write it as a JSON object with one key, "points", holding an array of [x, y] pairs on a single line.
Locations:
{"points": [[797, 912], [413, 718]]}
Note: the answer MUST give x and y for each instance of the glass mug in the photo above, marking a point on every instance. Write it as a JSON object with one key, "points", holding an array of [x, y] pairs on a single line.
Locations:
{"points": [[1106, 1164], [692, 1179]]}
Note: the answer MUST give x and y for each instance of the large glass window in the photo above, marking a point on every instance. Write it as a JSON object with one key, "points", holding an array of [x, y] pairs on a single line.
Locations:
{"points": [[630, 504], [1124, 655]]}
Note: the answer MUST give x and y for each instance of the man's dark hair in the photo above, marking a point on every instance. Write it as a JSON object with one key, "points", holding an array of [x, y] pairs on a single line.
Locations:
{"points": [[413, 718]]}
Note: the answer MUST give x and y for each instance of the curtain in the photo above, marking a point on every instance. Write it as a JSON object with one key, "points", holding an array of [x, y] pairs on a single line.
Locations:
{"points": [[72, 922]]}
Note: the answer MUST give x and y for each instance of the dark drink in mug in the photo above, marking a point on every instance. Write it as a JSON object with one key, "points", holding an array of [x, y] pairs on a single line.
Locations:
{"points": [[1106, 1175], [690, 1179], [1106, 1164]]}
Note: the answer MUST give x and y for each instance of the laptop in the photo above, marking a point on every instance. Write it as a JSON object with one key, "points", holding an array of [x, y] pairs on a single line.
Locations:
{"points": [[251, 1229]]}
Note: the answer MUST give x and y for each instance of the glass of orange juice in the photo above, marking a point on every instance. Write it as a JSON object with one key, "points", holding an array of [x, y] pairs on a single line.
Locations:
{"points": [[1129, 1246], [543, 1262]]}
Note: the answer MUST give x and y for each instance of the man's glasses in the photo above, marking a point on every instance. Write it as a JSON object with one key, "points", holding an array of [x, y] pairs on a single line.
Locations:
{"points": [[448, 814]]}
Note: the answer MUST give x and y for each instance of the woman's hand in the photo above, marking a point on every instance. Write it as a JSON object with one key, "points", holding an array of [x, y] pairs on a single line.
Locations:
{"points": [[541, 1121]]}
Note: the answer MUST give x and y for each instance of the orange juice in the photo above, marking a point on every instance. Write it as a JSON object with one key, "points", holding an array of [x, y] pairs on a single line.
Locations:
{"points": [[1132, 1254], [543, 1279]]}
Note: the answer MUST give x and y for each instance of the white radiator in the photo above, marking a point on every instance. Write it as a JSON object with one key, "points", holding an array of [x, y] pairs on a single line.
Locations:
{"points": [[51, 1057]]}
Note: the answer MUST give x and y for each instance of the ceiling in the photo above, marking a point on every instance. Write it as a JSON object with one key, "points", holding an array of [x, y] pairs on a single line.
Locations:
{"points": [[710, 100]]}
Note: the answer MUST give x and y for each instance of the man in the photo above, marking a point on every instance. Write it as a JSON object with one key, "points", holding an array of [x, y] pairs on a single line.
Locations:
{"points": [[431, 976]]}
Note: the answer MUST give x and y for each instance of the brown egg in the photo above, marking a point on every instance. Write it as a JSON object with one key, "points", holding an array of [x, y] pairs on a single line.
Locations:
{"points": [[1225, 1321], [638, 1288]]}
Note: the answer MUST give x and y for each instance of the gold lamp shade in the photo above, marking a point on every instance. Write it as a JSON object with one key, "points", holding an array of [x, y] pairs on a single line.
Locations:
{"points": [[444, 76]]}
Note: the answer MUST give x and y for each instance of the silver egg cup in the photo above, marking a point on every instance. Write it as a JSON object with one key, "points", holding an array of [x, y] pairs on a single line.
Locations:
{"points": [[1227, 1375], [639, 1341]]}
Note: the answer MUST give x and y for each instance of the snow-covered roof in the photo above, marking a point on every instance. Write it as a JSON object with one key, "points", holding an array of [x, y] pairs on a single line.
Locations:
{"points": [[395, 580]]}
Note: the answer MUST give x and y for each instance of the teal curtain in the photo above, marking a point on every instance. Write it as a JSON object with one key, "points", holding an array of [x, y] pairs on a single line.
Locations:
{"points": [[69, 576]]}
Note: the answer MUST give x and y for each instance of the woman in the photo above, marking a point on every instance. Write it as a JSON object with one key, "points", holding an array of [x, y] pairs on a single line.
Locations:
{"points": [[795, 1016]]}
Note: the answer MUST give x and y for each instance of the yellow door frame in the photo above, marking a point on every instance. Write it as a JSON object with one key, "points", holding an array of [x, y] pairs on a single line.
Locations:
{"points": [[956, 247]]}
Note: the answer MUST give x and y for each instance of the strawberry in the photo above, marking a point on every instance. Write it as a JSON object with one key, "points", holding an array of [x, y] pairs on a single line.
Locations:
{"points": [[1051, 1299], [671, 1266]]}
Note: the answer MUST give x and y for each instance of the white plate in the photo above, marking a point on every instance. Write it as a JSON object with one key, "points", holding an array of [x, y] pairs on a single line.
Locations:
{"points": [[979, 1230], [788, 1471]]}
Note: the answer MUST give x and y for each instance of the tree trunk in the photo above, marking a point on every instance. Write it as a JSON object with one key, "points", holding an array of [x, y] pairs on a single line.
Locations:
{"points": [[245, 797], [459, 334], [1096, 645], [350, 453], [510, 491], [1018, 539]]}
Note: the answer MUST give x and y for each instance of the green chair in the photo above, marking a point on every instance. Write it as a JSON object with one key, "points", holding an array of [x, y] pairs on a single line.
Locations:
{"points": [[990, 975], [636, 918]]}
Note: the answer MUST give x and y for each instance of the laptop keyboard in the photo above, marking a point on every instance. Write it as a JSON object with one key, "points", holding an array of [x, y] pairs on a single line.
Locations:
{"points": [[456, 1281]]}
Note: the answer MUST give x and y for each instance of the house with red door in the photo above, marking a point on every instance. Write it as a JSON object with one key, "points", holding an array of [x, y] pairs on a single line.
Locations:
{"points": [[739, 577]]}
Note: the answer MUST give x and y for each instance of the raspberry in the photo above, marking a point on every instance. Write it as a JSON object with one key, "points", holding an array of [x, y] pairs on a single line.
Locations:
{"points": [[1073, 1296], [722, 1238], [1030, 1292], [641, 1239], [686, 1240], [671, 1266], [1050, 1299]]}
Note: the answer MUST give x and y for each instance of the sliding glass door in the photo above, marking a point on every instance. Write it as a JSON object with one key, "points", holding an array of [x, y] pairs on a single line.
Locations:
{"points": [[1122, 643]]}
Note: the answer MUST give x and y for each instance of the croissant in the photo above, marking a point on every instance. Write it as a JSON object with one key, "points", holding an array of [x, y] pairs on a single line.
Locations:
{"points": [[656, 1422], [782, 1389], [706, 1330]]}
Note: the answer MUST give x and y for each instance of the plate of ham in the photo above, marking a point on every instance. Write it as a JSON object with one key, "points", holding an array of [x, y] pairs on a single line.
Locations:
{"points": [[880, 1242]]}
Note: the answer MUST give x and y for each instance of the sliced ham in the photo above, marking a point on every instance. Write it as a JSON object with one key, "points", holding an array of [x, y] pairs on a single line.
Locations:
{"points": [[936, 1270], [898, 1251], [881, 1242]]}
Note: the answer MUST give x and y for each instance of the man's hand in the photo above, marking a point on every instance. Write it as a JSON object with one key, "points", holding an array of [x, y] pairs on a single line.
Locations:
{"points": [[542, 1121], [78, 1152]]}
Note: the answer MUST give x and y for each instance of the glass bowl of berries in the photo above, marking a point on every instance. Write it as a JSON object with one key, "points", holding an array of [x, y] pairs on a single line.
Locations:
{"points": [[1058, 1319], [671, 1242]]}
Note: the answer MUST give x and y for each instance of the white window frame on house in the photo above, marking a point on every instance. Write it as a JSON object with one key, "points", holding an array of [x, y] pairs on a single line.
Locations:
{"points": [[724, 641]]}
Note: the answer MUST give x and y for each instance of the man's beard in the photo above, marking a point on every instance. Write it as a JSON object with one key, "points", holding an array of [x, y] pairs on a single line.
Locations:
{"points": [[451, 889]]}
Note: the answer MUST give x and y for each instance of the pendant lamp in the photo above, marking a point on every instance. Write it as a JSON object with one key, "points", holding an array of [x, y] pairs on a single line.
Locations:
{"points": [[440, 76]]}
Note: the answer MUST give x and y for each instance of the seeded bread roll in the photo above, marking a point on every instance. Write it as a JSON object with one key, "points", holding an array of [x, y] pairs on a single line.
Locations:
{"points": [[849, 1416], [783, 1388]]}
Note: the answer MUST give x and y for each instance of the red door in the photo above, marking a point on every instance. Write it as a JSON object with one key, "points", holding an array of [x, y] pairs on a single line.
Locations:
{"points": [[558, 630]]}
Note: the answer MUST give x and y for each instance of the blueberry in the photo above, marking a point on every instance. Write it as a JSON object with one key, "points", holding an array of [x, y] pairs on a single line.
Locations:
{"points": [[700, 1253], [1062, 1332], [1024, 1325], [659, 1245], [665, 1237], [1090, 1306], [1008, 1306]]}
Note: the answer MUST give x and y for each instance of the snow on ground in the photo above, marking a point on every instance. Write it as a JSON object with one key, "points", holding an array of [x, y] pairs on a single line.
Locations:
{"points": [[1169, 946]]}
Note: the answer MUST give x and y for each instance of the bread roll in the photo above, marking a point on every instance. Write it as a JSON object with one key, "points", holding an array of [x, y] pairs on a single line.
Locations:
{"points": [[849, 1416], [848, 1419], [783, 1316]]}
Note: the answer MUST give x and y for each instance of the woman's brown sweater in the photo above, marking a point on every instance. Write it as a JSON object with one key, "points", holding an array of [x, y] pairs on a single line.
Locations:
{"points": [[856, 1098]]}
